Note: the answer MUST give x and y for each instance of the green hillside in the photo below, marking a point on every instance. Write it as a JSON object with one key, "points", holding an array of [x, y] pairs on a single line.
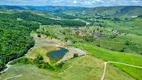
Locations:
{"points": [[114, 10]]}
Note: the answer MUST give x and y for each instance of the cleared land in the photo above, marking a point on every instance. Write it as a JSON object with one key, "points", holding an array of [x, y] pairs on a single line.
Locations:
{"points": [[108, 55], [81, 68], [44, 44]]}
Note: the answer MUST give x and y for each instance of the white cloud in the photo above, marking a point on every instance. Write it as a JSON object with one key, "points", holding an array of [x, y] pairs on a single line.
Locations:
{"points": [[73, 2]]}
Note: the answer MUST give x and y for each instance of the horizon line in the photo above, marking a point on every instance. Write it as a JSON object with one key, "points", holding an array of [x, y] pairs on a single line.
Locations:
{"points": [[74, 5]]}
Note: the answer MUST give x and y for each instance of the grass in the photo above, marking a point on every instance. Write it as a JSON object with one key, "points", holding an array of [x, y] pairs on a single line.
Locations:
{"points": [[90, 68], [108, 55], [29, 72], [81, 68], [118, 43], [133, 26], [116, 74], [41, 51]]}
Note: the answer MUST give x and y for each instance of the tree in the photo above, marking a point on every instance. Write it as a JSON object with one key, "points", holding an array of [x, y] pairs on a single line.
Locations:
{"points": [[0, 49], [38, 59], [126, 19], [116, 19], [127, 43], [122, 50], [98, 44], [89, 38], [38, 35], [112, 36], [75, 55]]}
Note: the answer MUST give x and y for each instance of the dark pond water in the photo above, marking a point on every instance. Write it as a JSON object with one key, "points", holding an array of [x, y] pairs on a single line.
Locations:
{"points": [[58, 54]]}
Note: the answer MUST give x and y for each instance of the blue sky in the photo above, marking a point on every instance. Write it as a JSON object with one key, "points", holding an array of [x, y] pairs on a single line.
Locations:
{"points": [[85, 3]]}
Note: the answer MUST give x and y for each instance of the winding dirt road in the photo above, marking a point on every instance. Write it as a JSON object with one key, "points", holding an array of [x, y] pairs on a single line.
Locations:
{"points": [[7, 67], [14, 77], [105, 65]]}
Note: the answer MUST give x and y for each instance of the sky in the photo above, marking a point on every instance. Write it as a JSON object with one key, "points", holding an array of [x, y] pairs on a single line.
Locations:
{"points": [[82, 3]]}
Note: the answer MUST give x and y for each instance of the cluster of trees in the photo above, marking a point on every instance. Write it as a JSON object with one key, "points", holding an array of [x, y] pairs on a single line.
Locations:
{"points": [[39, 62], [65, 16], [15, 39], [72, 23], [88, 38], [116, 19], [140, 16]]}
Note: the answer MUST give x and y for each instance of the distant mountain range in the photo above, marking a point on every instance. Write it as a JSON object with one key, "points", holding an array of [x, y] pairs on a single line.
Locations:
{"points": [[11, 7], [116, 10], [55, 9], [111, 10]]}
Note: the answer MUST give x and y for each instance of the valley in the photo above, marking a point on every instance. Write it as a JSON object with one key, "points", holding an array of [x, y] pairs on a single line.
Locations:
{"points": [[70, 43]]}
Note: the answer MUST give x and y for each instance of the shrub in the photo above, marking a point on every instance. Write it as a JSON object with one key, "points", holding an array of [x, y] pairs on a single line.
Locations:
{"points": [[38, 35], [112, 36], [127, 43], [38, 59], [41, 64], [75, 55], [98, 44], [122, 50]]}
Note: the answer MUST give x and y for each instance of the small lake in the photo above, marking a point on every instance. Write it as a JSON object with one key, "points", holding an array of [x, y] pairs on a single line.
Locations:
{"points": [[58, 54]]}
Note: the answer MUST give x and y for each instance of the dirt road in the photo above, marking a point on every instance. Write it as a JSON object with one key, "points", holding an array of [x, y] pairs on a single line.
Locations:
{"points": [[112, 62]]}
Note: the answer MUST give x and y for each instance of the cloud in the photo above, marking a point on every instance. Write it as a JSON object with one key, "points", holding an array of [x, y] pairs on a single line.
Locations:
{"points": [[89, 3], [23, 2]]}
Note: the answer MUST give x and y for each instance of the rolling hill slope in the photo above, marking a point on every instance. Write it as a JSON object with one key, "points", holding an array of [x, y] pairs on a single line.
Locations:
{"points": [[111, 10]]}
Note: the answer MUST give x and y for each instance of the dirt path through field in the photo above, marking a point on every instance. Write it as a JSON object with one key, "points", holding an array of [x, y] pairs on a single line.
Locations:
{"points": [[20, 75], [105, 66]]}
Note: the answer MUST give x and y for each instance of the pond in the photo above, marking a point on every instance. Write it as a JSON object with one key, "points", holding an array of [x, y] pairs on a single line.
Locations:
{"points": [[58, 54]]}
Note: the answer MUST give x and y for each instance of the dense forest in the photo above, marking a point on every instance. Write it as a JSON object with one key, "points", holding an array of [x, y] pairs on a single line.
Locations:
{"points": [[15, 39]]}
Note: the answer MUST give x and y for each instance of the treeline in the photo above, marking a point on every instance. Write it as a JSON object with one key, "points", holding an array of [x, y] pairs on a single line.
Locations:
{"points": [[46, 21], [65, 16], [140, 16], [15, 39]]}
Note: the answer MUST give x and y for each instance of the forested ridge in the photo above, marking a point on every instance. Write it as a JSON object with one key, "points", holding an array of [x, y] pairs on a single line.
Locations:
{"points": [[15, 39], [46, 21]]}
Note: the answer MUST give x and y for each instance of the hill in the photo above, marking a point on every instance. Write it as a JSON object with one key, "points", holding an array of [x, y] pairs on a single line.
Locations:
{"points": [[111, 10], [12, 7], [56, 9], [81, 68], [118, 10]]}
